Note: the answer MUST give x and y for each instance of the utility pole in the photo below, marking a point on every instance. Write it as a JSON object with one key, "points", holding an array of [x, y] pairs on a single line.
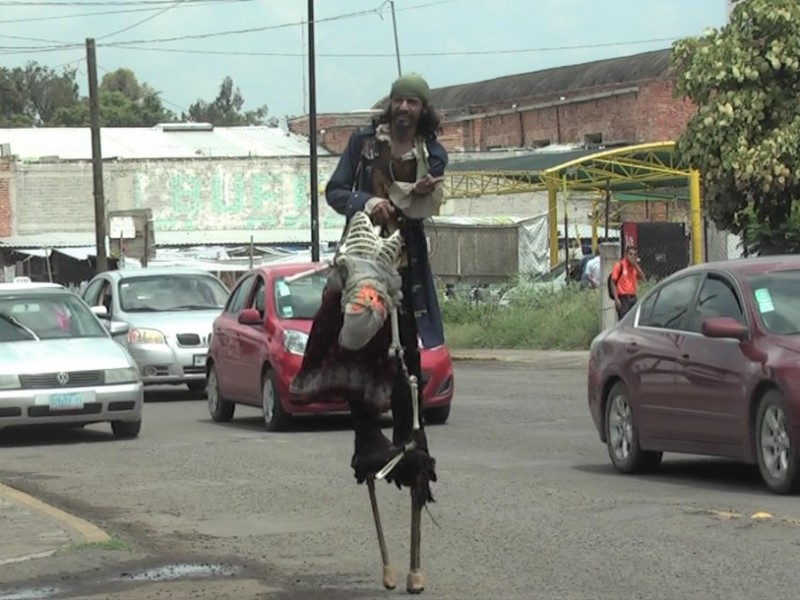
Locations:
{"points": [[312, 134], [396, 43], [97, 160]]}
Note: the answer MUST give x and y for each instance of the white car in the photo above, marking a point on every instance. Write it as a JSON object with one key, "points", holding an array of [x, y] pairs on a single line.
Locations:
{"points": [[60, 365]]}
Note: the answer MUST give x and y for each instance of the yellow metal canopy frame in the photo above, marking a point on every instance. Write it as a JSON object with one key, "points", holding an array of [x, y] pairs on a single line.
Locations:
{"points": [[636, 168]]}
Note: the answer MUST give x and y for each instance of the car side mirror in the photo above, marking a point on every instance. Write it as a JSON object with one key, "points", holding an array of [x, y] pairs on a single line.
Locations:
{"points": [[116, 328], [724, 327], [100, 311], [250, 316]]}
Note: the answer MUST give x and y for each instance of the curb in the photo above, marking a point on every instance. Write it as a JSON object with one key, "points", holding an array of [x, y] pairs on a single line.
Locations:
{"points": [[458, 357], [79, 529]]}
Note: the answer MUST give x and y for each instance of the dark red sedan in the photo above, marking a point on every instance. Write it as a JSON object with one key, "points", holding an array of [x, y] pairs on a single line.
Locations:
{"points": [[258, 342], [707, 362]]}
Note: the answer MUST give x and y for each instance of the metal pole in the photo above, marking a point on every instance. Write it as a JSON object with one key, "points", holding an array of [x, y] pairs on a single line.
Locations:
{"points": [[396, 43], [608, 206], [97, 160], [312, 134]]}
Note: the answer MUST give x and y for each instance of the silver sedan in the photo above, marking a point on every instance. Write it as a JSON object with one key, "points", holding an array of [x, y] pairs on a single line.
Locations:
{"points": [[169, 312], [59, 365]]}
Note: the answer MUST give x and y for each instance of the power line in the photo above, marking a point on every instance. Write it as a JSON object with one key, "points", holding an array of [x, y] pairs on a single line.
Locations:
{"points": [[110, 12], [66, 45], [37, 3], [360, 13], [145, 20], [429, 53]]}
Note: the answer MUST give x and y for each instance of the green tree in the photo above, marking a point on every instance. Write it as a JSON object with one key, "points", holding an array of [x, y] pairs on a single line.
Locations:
{"points": [[226, 109], [745, 136], [124, 102], [30, 96]]}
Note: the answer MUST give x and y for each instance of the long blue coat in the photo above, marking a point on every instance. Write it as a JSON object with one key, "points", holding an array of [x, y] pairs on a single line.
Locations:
{"points": [[347, 196]]}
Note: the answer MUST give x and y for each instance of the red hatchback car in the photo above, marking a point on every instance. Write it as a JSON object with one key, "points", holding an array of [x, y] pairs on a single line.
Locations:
{"points": [[258, 342], [707, 362]]}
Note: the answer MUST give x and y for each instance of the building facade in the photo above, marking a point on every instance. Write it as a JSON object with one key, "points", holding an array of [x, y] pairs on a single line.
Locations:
{"points": [[610, 102]]}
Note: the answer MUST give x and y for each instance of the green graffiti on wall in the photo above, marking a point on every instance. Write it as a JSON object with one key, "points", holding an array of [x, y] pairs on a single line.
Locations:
{"points": [[216, 199]]}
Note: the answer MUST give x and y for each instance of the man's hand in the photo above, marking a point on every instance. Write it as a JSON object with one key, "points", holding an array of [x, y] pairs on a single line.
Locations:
{"points": [[618, 303], [382, 212], [427, 184]]}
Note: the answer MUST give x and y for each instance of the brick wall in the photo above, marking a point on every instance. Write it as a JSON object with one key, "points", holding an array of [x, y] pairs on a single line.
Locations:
{"points": [[6, 216], [184, 195], [635, 112]]}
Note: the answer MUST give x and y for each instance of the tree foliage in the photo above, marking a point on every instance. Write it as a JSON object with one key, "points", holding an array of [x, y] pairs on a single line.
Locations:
{"points": [[226, 109], [38, 96], [745, 136]]}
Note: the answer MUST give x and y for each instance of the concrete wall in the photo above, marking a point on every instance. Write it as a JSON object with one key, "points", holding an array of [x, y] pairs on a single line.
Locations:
{"points": [[184, 195]]}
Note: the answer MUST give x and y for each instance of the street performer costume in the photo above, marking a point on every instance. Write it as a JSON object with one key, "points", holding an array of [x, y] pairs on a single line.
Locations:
{"points": [[378, 305]]}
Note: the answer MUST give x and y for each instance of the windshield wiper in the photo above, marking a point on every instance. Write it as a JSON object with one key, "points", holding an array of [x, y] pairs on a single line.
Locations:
{"points": [[194, 307], [13, 321]]}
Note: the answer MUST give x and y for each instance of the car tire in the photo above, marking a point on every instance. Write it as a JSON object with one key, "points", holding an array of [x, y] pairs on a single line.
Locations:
{"points": [[275, 417], [126, 430], [622, 436], [221, 410], [775, 448], [438, 415], [196, 386]]}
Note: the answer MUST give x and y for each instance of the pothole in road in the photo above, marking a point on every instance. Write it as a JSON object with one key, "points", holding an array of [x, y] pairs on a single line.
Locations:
{"points": [[31, 594], [181, 571], [166, 573]]}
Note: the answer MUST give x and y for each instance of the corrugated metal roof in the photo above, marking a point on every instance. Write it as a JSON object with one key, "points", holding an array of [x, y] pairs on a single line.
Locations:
{"points": [[74, 143], [175, 238], [548, 82]]}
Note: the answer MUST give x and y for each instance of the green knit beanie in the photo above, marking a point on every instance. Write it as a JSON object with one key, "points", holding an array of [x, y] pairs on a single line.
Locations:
{"points": [[412, 85]]}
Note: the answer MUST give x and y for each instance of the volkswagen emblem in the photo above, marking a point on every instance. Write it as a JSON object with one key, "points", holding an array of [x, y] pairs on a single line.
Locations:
{"points": [[62, 378]]}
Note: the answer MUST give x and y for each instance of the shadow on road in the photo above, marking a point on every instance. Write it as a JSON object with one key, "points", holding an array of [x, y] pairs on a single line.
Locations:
{"points": [[297, 424], [51, 435], [708, 473]]}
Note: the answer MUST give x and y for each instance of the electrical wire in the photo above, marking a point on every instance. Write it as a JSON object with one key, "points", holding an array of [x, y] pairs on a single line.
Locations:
{"points": [[429, 53], [109, 12], [53, 3], [145, 20]]}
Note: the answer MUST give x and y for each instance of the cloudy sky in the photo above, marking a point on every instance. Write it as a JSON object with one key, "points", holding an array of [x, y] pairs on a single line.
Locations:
{"points": [[184, 48]]}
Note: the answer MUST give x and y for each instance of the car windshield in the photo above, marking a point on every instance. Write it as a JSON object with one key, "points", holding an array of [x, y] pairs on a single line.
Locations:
{"points": [[299, 299], [34, 317], [775, 295], [166, 293]]}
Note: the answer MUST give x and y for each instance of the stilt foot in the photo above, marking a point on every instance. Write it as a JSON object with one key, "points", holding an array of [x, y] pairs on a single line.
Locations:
{"points": [[389, 578], [415, 582]]}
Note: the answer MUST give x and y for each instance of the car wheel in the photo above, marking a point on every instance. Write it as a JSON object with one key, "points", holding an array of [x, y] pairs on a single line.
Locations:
{"points": [[126, 430], [196, 386], [221, 410], [622, 437], [777, 460], [275, 417], [438, 415]]}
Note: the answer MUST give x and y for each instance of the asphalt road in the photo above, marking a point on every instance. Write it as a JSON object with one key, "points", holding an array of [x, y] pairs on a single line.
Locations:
{"points": [[527, 507]]}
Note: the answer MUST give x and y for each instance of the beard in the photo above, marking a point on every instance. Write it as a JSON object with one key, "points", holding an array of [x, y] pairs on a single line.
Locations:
{"points": [[404, 122]]}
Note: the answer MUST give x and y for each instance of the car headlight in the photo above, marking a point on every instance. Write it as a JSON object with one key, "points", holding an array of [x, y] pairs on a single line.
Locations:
{"points": [[123, 375], [146, 336], [295, 341], [9, 382]]}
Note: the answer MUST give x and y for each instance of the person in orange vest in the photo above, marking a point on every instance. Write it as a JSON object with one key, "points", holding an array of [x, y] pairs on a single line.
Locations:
{"points": [[625, 276]]}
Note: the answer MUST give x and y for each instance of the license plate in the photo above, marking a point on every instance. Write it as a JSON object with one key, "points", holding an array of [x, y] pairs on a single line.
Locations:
{"points": [[199, 360], [65, 401]]}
